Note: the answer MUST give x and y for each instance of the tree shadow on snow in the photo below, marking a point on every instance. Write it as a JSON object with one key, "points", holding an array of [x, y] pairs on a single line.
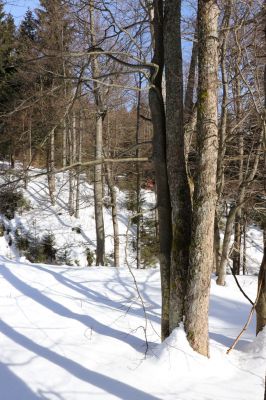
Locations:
{"points": [[110, 385], [13, 387], [234, 315], [97, 297], [133, 341]]}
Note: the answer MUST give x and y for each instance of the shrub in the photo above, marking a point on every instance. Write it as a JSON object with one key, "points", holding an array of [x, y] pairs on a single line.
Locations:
{"points": [[12, 200], [90, 256], [36, 249], [63, 256], [149, 252], [49, 250], [2, 229]]}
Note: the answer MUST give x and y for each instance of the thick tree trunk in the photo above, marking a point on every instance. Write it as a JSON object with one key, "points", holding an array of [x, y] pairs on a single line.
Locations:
{"points": [[201, 249], [176, 165], [159, 157]]}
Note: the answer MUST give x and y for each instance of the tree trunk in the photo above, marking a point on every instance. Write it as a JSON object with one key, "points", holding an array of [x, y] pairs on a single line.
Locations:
{"points": [[237, 244], [79, 159], [261, 304], [98, 169], [176, 165], [238, 217], [159, 157], [223, 124], [113, 196], [201, 249], [72, 157], [98, 193], [51, 167], [244, 265], [190, 109], [64, 144], [138, 174], [216, 247]]}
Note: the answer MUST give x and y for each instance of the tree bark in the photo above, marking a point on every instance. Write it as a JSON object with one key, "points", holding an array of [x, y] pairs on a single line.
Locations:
{"points": [[98, 170], [138, 244], [261, 304], [189, 106], [223, 124], [51, 167], [159, 157], [79, 159], [176, 165], [72, 160], [112, 189], [201, 249]]}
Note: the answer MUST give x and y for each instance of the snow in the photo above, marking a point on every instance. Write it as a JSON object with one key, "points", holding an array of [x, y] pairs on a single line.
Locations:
{"points": [[78, 332]]}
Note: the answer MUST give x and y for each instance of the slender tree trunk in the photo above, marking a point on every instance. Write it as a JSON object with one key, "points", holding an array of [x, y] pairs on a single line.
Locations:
{"points": [[246, 182], [238, 217], [51, 166], [79, 159], [224, 112], [190, 109], [204, 205], [244, 265], [98, 194], [98, 169], [64, 144], [176, 165], [217, 244], [110, 182], [159, 157], [138, 174], [72, 135], [261, 304], [237, 243]]}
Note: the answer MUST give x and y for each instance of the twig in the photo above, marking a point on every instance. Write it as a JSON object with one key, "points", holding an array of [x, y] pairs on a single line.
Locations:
{"points": [[248, 321], [240, 288], [135, 282]]}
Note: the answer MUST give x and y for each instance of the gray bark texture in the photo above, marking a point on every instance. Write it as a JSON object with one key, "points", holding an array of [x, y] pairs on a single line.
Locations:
{"points": [[112, 189], [261, 303], [176, 165], [201, 249], [159, 157], [51, 166], [98, 169]]}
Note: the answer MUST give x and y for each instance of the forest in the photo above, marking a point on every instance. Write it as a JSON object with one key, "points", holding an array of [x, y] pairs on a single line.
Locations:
{"points": [[132, 185]]}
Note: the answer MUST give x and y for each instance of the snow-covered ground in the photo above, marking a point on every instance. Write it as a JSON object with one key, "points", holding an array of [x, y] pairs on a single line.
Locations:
{"points": [[76, 333]]}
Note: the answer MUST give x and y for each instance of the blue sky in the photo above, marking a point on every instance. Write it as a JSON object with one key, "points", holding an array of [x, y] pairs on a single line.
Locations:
{"points": [[18, 7]]}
